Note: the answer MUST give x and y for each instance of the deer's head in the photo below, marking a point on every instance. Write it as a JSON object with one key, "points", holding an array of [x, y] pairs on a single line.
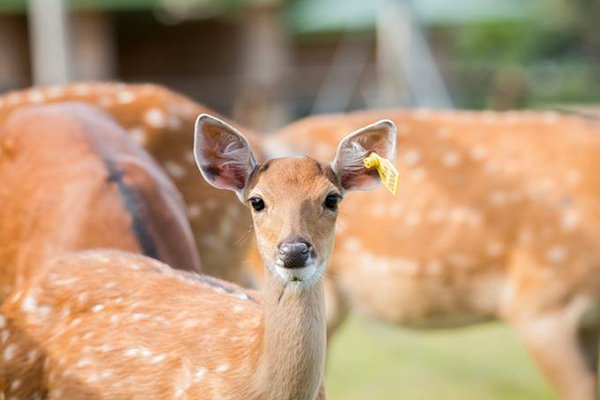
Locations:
{"points": [[294, 201]]}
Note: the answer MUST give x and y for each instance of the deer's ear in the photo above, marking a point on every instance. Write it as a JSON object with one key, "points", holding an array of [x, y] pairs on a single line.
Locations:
{"points": [[379, 137], [223, 154]]}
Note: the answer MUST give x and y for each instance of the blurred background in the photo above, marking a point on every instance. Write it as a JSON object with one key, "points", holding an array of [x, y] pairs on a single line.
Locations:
{"points": [[267, 62]]}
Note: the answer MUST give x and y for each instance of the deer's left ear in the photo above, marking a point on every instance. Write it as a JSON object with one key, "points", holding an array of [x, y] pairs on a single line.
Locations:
{"points": [[223, 154], [380, 138]]}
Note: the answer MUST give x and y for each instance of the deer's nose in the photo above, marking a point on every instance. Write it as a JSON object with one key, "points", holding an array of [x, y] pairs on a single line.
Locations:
{"points": [[294, 254]]}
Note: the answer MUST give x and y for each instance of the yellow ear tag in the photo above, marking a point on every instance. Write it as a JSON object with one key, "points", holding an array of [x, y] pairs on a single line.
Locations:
{"points": [[387, 171]]}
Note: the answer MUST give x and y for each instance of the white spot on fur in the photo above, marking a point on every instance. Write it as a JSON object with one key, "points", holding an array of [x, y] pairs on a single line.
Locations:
{"points": [[352, 244], [15, 384], [478, 153], [194, 210], [211, 204], [9, 352], [238, 309], [191, 323], [157, 359], [2, 321], [134, 351], [498, 198], [82, 89], [13, 98], [174, 169], [144, 352], [125, 97], [155, 118], [36, 96], [570, 220], [457, 259], [556, 254], [134, 266], [84, 362], [378, 210], [451, 159], [32, 356], [494, 249], [29, 304], [222, 368], [209, 240], [139, 135], [433, 267], [4, 336], [411, 157], [412, 219], [200, 373], [55, 91], [97, 308]]}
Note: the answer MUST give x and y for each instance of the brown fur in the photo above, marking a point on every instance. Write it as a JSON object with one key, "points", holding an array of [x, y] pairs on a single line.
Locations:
{"points": [[162, 122], [57, 195], [108, 325], [498, 216]]}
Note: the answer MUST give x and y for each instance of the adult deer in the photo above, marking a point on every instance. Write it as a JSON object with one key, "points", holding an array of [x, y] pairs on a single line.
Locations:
{"points": [[498, 217], [114, 326], [72, 180], [161, 121]]}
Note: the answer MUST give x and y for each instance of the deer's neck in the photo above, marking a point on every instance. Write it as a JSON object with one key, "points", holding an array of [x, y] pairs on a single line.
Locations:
{"points": [[293, 346]]}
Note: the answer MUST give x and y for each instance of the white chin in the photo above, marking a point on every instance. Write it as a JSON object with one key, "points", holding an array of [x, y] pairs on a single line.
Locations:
{"points": [[302, 276]]}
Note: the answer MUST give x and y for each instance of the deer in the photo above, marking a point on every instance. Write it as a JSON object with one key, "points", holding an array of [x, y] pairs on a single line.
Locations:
{"points": [[114, 325], [72, 180], [497, 218], [160, 121]]}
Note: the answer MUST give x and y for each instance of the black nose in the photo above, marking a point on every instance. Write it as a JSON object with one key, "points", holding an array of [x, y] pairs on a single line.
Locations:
{"points": [[294, 254]]}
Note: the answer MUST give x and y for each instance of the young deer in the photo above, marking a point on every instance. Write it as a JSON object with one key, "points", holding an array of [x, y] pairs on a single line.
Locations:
{"points": [[160, 121], [116, 326], [497, 216], [72, 180]]}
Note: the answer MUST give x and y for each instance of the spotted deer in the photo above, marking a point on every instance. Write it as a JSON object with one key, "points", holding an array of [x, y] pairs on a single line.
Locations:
{"points": [[73, 180], [161, 121], [111, 325], [497, 217]]}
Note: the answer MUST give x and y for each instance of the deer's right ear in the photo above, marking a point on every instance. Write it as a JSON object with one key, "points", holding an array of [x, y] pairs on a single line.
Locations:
{"points": [[223, 154]]}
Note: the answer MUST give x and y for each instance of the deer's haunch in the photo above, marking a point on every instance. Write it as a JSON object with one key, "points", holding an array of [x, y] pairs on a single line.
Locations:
{"points": [[498, 216], [72, 180], [160, 121], [113, 326]]}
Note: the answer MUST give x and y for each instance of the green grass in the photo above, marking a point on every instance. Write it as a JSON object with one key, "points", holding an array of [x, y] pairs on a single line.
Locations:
{"points": [[368, 360]]}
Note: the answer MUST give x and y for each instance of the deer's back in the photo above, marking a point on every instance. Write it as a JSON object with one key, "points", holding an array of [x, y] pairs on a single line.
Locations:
{"points": [[493, 209], [107, 324], [162, 122], [72, 180]]}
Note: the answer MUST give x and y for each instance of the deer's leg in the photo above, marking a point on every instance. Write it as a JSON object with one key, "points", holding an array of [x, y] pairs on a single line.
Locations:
{"points": [[566, 353]]}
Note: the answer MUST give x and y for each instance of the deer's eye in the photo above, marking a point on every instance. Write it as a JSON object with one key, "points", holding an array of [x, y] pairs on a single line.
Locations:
{"points": [[257, 203], [331, 201]]}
